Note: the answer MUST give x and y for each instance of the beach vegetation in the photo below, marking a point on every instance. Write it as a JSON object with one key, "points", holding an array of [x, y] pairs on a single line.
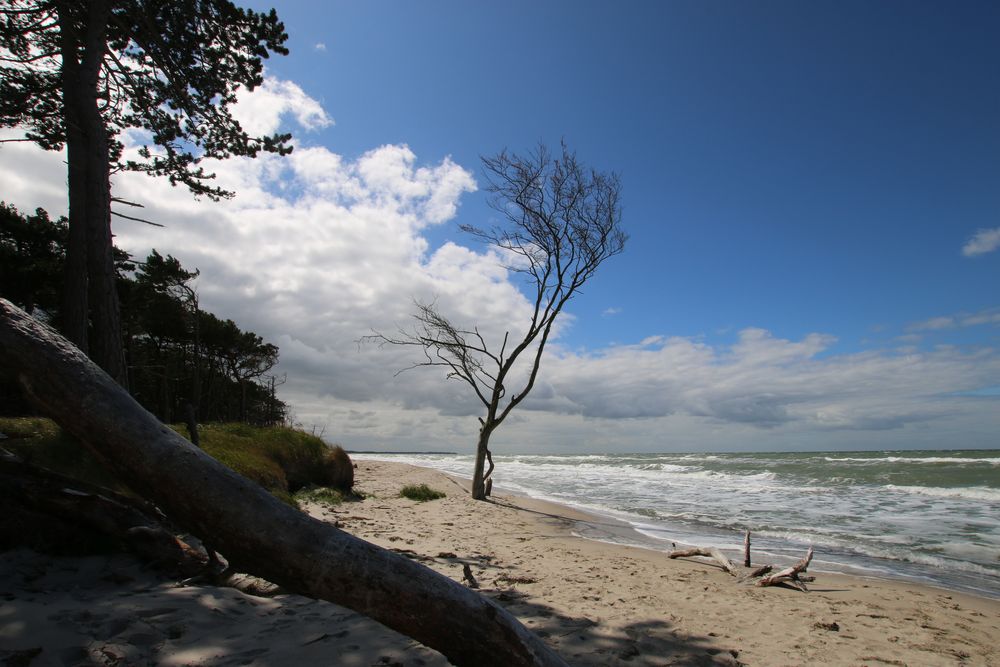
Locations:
{"points": [[320, 494], [560, 221], [420, 492], [282, 460]]}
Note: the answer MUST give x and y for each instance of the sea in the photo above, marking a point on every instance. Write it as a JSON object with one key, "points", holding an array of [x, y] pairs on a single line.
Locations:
{"points": [[926, 516]]}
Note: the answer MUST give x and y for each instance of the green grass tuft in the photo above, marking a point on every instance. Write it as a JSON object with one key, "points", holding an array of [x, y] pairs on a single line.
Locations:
{"points": [[420, 492], [320, 494]]}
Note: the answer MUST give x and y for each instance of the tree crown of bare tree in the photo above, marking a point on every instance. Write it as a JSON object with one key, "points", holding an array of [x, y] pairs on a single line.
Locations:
{"points": [[562, 221]]}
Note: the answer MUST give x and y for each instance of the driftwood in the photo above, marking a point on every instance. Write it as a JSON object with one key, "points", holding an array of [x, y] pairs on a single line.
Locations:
{"points": [[256, 532], [49, 512], [468, 576], [710, 552], [791, 575]]}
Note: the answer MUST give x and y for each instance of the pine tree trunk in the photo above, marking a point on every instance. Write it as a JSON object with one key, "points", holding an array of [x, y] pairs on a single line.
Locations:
{"points": [[91, 293], [106, 338], [75, 307]]}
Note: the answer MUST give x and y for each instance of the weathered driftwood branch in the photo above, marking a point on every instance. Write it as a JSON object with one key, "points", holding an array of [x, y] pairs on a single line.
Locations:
{"points": [[710, 552], [468, 576], [790, 575], [256, 532]]}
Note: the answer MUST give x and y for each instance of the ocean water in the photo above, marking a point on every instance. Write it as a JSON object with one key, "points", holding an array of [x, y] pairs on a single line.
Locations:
{"points": [[927, 516]]}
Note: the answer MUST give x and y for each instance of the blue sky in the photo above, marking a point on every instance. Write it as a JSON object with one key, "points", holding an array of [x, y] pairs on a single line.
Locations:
{"points": [[812, 192], [800, 166]]}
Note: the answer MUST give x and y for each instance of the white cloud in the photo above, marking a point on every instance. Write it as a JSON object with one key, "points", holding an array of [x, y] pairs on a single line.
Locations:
{"points": [[318, 249], [319, 46], [982, 242], [988, 316], [260, 111], [609, 312], [765, 382]]}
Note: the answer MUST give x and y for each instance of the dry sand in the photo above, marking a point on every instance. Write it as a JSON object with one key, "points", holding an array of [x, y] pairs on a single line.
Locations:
{"points": [[596, 603]]}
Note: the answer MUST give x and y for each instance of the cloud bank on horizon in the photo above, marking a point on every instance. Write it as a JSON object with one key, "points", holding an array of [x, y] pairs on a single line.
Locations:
{"points": [[318, 249]]}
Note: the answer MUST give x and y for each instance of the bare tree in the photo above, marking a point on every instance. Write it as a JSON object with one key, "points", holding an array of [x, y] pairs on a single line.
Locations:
{"points": [[561, 221]]}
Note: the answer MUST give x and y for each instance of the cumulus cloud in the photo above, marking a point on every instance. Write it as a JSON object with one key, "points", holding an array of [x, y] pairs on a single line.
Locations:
{"points": [[318, 249], [319, 46], [261, 111], [982, 242]]}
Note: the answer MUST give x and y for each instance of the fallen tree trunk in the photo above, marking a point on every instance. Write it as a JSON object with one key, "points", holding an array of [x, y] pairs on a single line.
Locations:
{"points": [[256, 532], [52, 513]]}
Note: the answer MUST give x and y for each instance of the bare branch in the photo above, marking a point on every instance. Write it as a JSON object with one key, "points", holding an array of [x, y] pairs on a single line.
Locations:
{"points": [[129, 217], [561, 222]]}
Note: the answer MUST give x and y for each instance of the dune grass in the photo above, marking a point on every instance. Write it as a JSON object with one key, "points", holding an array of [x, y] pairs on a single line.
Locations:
{"points": [[420, 492], [282, 460]]}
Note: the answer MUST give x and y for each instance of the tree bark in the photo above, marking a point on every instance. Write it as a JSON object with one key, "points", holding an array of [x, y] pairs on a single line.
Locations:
{"points": [[49, 512], [478, 476], [91, 292], [75, 303], [253, 529]]}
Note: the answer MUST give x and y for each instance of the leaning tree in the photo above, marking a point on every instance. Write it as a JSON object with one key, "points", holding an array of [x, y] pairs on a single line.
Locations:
{"points": [[561, 221], [82, 73]]}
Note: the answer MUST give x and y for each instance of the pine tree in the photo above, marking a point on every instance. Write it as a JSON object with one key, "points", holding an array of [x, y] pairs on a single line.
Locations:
{"points": [[79, 73]]}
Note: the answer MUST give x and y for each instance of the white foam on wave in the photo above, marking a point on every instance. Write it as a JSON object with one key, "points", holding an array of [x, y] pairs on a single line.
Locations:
{"points": [[981, 493], [956, 460]]}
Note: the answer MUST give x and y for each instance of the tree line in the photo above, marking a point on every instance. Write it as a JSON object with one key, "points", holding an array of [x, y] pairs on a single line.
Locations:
{"points": [[177, 356]]}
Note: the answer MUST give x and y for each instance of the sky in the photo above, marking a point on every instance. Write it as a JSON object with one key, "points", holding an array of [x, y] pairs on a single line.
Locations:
{"points": [[811, 190]]}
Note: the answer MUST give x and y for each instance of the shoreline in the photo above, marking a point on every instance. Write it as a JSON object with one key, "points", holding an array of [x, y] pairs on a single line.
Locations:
{"points": [[596, 603], [946, 557], [639, 594], [596, 522], [593, 523]]}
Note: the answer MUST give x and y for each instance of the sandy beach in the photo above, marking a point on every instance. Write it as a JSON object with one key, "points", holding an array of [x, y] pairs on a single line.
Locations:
{"points": [[595, 603]]}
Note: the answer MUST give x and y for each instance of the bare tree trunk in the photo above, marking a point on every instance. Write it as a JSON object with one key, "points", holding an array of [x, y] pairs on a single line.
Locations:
{"points": [[256, 532], [478, 477]]}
